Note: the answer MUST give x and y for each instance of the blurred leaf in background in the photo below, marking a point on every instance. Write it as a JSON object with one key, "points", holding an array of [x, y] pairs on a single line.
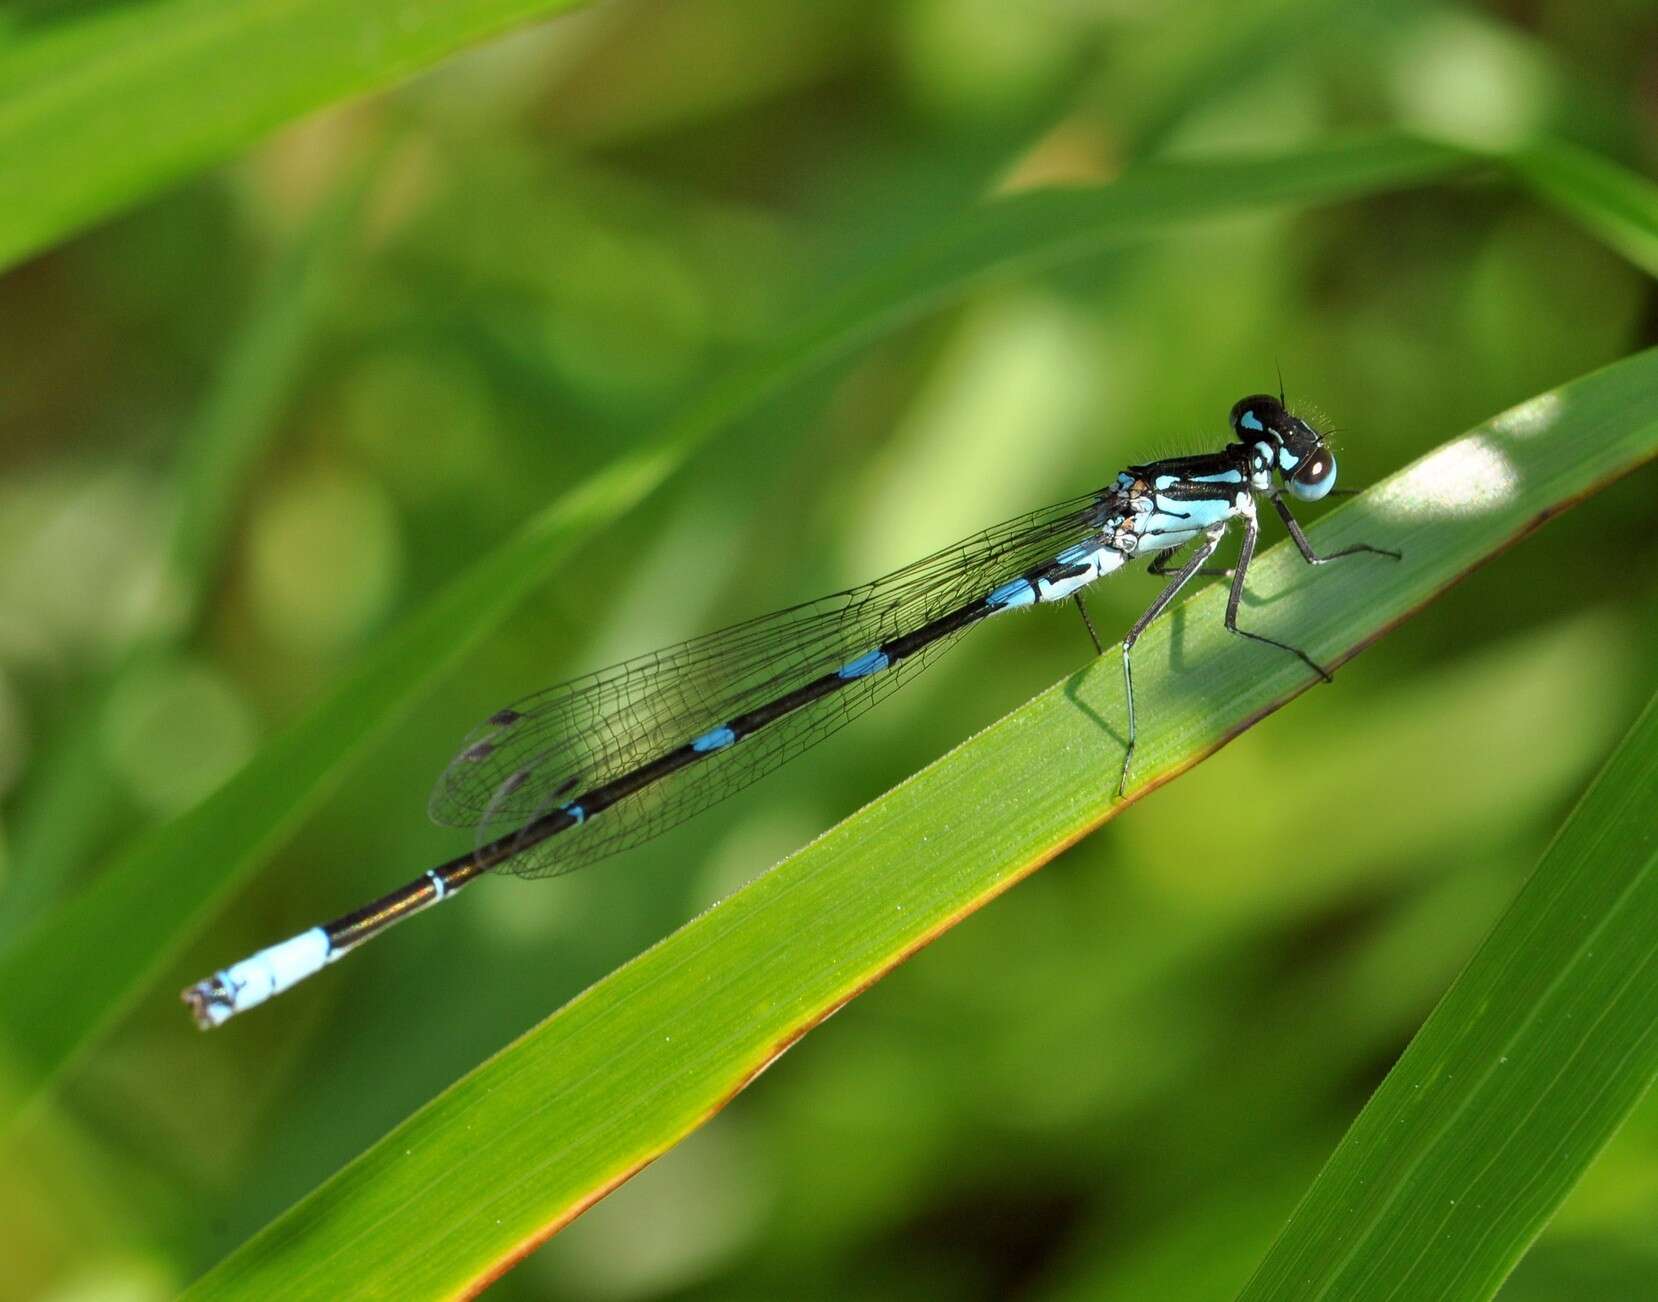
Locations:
{"points": [[252, 423]]}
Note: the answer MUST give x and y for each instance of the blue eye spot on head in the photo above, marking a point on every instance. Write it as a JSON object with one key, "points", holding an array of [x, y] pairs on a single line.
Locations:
{"points": [[1315, 477], [1255, 415]]}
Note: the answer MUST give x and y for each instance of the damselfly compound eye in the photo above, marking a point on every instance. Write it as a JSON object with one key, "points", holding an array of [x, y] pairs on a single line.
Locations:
{"points": [[1314, 477]]}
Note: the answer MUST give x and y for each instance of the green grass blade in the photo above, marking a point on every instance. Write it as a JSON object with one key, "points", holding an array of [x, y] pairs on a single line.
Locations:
{"points": [[491, 1167], [263, 366], [1046, 227], [1515, 1083], [1612, 203], [150, 901], [103, 105], [72, 807]]}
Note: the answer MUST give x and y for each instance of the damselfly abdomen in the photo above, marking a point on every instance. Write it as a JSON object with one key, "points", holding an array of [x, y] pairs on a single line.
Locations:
{"points": [[604, 762]]}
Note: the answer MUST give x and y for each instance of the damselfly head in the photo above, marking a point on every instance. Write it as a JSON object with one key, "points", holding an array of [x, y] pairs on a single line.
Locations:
{"points": [[1288, 444]]}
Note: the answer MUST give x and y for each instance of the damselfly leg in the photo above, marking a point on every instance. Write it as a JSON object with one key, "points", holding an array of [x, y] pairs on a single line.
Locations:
{"points": [[1246, 553], [1195, 566], [1205, 549], [1160, 566], [1306, 548], [1087, 623]]}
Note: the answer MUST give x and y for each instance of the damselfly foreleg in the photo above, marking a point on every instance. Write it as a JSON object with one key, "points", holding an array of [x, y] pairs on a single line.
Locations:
{"points": [[1306, 548]]}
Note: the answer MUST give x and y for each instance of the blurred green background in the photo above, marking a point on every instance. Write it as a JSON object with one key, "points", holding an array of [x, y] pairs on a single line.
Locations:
{"points": [[399, 327]]}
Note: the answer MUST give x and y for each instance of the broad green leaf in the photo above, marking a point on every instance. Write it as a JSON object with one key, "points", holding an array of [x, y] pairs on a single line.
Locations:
{"points": [[153, 898], [1516, 1082], [524, 1143], [104, 104]]}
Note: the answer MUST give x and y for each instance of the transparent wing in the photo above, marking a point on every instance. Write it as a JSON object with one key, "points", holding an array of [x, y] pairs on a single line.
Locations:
{"points": [[545, 750]]}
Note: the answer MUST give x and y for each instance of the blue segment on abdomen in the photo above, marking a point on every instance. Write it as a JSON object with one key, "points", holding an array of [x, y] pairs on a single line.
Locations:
{"points": [[871, 662], [714, 739], [1098, 560], [270, 972], [1018, 592]]}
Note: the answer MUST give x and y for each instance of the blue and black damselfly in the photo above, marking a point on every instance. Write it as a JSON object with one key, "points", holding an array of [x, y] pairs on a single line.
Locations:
{"points": [[604, 762]]}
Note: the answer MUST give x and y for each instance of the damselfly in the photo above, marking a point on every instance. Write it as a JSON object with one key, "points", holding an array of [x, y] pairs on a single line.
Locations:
{"points": [[604, 762]]}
